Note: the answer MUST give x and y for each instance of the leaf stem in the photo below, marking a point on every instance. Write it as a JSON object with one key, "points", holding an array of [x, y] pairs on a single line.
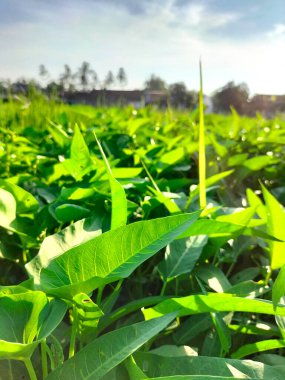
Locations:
{"points": [[30, 369], [99, 295], [73, 333], [44, 359], [149, 175], [50, 355], [202, 153], [268, 276], [163, 288]]}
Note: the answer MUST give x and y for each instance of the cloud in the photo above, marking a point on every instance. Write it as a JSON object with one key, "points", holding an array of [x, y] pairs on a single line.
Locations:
{"points": [[278, 30], [165, 37]]}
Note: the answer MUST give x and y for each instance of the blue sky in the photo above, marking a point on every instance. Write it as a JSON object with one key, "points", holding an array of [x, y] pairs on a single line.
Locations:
{"points": [[240, 40]]}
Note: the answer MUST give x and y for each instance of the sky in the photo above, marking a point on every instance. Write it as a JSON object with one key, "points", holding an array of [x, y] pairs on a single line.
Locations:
{"points": [[238, 40]]}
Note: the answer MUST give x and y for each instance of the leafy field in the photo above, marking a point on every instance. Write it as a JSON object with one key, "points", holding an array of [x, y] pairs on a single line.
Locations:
{"points": [[110, 269]]}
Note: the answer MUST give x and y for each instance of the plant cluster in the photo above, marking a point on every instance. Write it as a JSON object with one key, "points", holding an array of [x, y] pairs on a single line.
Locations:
{"points": [[111, 265]]}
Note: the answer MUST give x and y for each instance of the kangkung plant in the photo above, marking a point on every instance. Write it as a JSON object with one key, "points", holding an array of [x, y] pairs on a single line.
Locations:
{"points": [[120, 259]]}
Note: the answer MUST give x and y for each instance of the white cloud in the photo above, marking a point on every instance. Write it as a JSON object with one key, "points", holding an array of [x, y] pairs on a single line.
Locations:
{"points": [[165, 40], [278, 30]]}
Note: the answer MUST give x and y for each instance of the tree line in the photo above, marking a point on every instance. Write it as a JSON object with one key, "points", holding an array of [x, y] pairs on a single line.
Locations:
{"points": [[85, 78]]}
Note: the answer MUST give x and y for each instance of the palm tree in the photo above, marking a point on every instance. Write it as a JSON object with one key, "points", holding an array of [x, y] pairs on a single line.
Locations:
{"points": [[109, 80], [43, 73], [66, 77], [84, 73], [94, 79], [122, 77]]}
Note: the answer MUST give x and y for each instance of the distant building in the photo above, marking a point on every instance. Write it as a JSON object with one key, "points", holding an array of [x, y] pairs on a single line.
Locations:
{"points": [[267, 105], [136, 98], [208, 103]]}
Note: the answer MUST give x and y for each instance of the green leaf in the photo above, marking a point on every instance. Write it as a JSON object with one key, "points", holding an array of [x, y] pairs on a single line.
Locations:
{"points": [[198, 377], [212, 228], [7, 208], [216, 228], [69, 212], [9, 218], [258, 162], [132, 306], [26, 319], [222, 330], [212, 302], [248, 289], [255, 201], [278, 289], [265, 345], [213, 277], [220, 149], [109, 350], [210, 181], [80, 162], [57, 244], [12, 289], [253, 328], [59, 135], [205, 367], [239, 216], [181, 256], [135, 373], [191, 328], [167, 200], [13, 370], [25, 202], [88, 314], [119, 200], [170, 158], [110, 256], [275, 227], [125, 173]]}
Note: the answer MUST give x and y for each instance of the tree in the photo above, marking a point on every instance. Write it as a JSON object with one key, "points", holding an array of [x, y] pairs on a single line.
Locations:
{"points": [[94, 79], [231, 95], [155, 83], [84, 73], [181, 97], [122, 77], [109, 80], [43, 73], [55, 88], [66, 78]]}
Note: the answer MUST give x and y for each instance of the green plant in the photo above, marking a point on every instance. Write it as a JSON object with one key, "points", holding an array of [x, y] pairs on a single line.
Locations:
{"points": [[109, 268]]}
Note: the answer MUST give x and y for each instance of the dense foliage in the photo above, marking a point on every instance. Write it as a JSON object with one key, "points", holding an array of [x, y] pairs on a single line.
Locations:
{"points": [[110, 269]]}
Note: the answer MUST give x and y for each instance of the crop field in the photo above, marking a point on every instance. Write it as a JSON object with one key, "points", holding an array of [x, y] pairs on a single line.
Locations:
{"points": [[121, 259]]}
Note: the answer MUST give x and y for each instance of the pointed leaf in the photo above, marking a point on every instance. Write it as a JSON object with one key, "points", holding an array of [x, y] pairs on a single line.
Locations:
{"points": [[110, 256], [119, 200], [25, 319], [80, 162], [275, 227], [265, 345], [109, 350], [212, 302], [57, 244], [278, 289], [204, 367], [25, 202], [181, 256]]}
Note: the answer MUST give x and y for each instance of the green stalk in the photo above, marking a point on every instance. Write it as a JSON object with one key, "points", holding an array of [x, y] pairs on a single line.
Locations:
{"points": [[30, 369], [150, 176], [202, 153], [44, 359], [50, 355], [163, 288], [99, 295], [73, 333]]}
